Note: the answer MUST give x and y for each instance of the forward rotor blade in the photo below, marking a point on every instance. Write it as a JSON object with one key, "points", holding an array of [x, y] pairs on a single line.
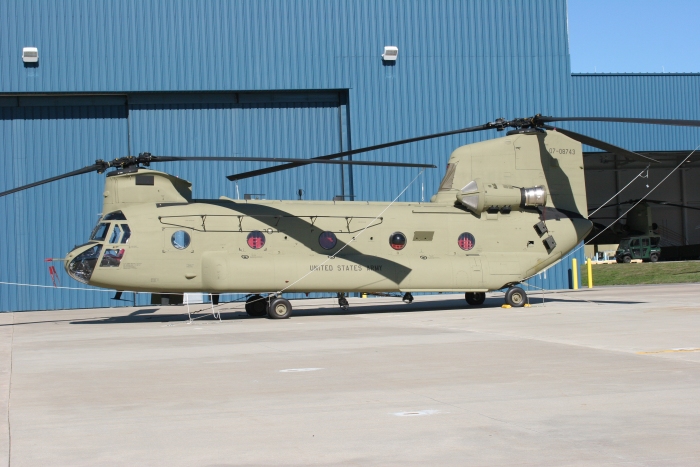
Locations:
{"points": [[651, 121], [255, 173], [596, 143], [289, 160], [84, 170]]}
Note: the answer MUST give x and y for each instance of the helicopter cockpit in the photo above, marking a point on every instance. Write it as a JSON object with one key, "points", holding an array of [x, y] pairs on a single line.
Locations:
{"points": [[113, 236]]}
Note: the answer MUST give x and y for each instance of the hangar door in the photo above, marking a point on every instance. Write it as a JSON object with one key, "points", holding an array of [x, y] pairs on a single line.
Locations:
{"points": [[44, 136], [41, 138], [296, 125]]}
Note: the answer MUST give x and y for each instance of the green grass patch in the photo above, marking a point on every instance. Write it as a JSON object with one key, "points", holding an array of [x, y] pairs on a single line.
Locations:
{"points": [[672, 272]]}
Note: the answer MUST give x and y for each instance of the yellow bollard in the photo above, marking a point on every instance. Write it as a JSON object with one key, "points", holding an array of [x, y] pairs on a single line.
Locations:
{"points": [[590, 274], [574, 273]]}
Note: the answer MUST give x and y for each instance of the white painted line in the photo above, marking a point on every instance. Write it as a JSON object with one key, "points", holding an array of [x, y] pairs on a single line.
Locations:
{"points": [[299, 370], [417, 413]]}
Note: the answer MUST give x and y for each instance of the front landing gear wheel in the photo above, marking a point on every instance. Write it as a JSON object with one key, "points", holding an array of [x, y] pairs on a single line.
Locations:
{"points": [[342, 301], [280, 308], [475, 298], [516, 297], [407, 298], [256, 306]]}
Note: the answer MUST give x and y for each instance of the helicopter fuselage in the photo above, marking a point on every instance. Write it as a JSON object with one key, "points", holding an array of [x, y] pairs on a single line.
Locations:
{"points": [[177, 244]]}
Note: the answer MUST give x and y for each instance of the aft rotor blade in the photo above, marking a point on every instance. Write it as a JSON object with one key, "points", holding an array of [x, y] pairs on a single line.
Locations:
{"points": [[650, 121], [596, 143], [289, 160], [255, 173], [84, 170], [652, 201]]}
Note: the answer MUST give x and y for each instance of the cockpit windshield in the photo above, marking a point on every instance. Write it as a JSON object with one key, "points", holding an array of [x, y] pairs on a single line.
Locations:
{"points": [[83, 265], [100, 231]]}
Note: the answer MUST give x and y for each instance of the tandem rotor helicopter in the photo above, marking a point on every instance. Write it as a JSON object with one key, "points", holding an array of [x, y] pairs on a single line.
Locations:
{"points": [[506, 209]]}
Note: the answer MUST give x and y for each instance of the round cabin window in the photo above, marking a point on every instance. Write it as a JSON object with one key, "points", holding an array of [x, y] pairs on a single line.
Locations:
{"points": [[397, 241], [180, 239], [327, 240], [256, 239], [466, 241]]}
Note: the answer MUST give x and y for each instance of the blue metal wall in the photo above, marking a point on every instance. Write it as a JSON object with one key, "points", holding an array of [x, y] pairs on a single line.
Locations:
{"points": [[667, 95], [252, 126], [460, 64], [39, 142]]}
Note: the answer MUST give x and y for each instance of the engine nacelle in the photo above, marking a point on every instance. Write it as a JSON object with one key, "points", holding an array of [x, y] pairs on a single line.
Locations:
{"points": [[479, 196]]}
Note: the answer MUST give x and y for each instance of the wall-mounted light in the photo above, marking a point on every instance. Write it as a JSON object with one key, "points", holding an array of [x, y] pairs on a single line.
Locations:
{"points": [[390, 53], [30, 55]]}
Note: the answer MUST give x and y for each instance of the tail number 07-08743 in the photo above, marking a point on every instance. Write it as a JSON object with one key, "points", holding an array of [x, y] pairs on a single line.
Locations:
{"points": [[562, 151]]}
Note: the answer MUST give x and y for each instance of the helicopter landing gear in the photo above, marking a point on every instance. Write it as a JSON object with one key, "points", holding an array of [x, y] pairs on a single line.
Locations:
{"points": [[342, 301], [475, 298], [279, 308], [516, 297], [407, 298], [256, 306]]}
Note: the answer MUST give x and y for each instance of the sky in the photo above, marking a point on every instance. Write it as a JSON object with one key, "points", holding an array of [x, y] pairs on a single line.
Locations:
{"points": [[634, 36]]}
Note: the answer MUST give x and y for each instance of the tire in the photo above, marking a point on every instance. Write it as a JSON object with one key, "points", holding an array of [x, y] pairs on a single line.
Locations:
{"points": [[627, 259], [475, 298], [280, 308], [516, 297], [256, 306], [654, 258]]}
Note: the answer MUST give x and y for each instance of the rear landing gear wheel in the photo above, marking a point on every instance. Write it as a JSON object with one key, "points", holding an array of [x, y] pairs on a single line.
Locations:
{"points": [[280, 308], [407, 297], [516, 297], [256, 306], [475, 298]]}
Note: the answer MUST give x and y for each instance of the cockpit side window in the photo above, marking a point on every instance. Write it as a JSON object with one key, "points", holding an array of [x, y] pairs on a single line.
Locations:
{"points": [[116, 234], [127, 233], [100, 231]]}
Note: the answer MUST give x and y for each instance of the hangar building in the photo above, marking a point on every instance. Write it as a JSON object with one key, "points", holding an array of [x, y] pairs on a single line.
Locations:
{"points": [[293, 79]]}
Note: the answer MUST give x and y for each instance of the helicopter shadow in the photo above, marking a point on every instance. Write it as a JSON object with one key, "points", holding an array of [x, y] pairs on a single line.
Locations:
{"points": [[150, 315]]}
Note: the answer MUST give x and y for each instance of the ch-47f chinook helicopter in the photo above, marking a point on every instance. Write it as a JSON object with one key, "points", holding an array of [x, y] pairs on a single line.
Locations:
{"points": [[506, 209]]}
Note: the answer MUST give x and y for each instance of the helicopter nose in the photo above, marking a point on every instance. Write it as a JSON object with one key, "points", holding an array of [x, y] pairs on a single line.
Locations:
{"points": [[81, 261]]}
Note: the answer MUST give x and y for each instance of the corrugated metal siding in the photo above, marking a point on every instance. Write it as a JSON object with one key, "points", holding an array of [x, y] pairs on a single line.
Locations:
{"points": [[460, 64], [298, 130], [673, 96], [49, 220], [120, 45]]}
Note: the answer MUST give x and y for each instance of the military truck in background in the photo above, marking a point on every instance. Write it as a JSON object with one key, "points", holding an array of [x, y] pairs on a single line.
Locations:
{"points": [[642, 247]]}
